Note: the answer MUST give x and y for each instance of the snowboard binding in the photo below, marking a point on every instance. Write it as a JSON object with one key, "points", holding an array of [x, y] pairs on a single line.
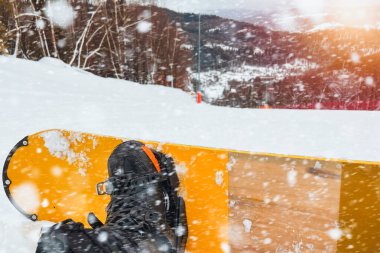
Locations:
{"points": [[125, 180], [145, 213]]}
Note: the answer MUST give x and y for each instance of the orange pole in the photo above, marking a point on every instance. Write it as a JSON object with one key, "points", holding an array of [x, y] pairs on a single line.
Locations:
{"points": [[199, 97]]}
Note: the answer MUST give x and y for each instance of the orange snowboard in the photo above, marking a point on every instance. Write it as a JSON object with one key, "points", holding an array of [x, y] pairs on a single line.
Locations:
{"points": [[236, 201]]}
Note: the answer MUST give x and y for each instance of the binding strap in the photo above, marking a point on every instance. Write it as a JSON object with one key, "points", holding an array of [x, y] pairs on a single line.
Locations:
{"points": [[152, 158], [123, 184]]}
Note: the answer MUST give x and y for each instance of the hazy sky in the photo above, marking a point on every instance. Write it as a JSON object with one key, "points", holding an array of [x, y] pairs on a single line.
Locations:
{"points": [[307, 5], [346, 12], [195, 5]]}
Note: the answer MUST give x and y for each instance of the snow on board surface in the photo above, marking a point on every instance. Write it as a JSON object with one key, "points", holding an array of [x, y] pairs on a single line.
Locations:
{"points": [[36, 96]]}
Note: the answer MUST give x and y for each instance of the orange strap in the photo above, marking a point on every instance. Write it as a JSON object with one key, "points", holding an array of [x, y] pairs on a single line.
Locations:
{"points": [[151, 156]]}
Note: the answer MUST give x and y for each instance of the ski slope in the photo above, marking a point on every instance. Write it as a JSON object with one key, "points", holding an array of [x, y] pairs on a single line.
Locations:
{"points": [[49, 94]]}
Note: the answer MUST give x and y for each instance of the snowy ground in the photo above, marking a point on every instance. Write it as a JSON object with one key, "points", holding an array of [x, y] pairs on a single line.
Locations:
{"points": [[42, 95]]}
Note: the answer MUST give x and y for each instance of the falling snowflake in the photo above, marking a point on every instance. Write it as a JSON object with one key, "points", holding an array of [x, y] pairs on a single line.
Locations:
{"points": [[40, 24], [355, 58], [226, 248], [335, 233], [180, 230], [292, 178], [144, 27], [267, 241], [219, 178], [61, 13], [61, 43], [28, 195], [45, 203], [369, 81], [103, 236], [247, 225]]}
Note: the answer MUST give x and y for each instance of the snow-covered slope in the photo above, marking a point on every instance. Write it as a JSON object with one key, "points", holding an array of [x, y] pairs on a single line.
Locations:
{"points": [[48, 94], [326, 26]]}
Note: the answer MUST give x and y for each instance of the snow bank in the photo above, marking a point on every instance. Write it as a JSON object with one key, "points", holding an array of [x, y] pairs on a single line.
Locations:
{"points": [[42, 95]]}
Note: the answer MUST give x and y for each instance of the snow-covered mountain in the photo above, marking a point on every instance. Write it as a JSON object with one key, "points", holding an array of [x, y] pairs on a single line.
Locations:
{"points": [[326, 26], [320, 50]]}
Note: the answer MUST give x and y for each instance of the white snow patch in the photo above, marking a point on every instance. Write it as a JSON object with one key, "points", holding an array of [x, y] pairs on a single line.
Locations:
{"points": [[82, 171], [258, 51], [181, 169], [215, 82], [58, 145], [326, 26], [221, 46], [59, 64], [187, 46], [32, 231]]}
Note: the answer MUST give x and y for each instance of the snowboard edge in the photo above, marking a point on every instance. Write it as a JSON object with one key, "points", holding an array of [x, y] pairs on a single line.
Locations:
{"points": [[7, 182]]}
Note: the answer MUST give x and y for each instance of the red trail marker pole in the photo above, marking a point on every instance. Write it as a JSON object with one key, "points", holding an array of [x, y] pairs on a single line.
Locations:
{"points": [[199, 97]]}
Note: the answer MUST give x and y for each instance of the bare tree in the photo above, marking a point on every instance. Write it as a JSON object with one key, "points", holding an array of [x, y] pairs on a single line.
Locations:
{"points": [[17, 27], [106, 39]]}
